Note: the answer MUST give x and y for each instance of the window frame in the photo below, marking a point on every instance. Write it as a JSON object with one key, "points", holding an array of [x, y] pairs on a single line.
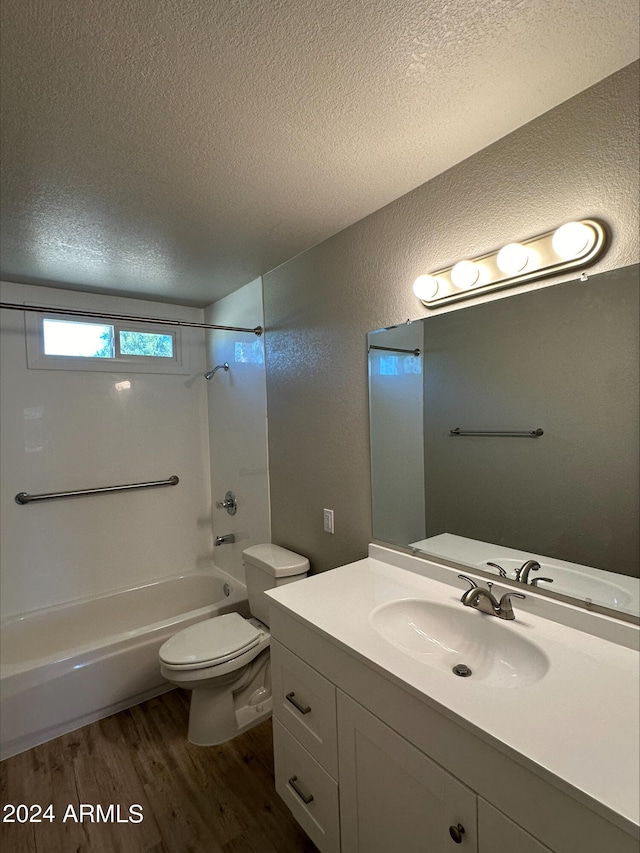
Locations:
{"points": [[39, 360]]}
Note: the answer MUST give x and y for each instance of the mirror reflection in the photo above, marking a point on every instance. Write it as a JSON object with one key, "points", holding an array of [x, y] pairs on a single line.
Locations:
{"points": [[504, 437]]}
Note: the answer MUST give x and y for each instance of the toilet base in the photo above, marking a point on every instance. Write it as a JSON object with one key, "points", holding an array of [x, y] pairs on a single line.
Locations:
{"points": [[216, 715], [212, 721]]}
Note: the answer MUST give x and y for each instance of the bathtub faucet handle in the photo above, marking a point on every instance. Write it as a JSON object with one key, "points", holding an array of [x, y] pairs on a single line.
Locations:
{"points": [[229, 503]]}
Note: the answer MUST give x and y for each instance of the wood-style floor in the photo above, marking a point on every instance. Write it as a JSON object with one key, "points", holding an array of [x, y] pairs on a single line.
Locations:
{"points": [[217, 799]]}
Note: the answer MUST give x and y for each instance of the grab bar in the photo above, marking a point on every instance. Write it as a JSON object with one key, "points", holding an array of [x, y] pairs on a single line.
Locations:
{"points": [[24, 498], [531, 433]]}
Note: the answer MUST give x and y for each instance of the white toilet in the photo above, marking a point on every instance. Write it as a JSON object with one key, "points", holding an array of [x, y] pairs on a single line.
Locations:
{"points": [[225, 660]]}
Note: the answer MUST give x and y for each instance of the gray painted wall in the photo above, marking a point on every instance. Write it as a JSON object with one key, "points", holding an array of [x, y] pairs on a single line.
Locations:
{"points": [[578, 160]]}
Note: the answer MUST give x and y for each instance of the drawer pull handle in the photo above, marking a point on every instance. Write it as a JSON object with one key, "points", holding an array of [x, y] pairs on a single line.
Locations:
{"points": [[456, 832], [306, 798], [304, 709]]}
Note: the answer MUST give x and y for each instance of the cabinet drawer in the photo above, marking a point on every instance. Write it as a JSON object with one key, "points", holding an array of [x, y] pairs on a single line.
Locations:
{"points": [[309, 792], [305, 703]]}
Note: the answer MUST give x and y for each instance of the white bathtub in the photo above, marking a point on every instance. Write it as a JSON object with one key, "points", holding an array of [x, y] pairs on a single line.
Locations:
{"points": [[66, 666]]}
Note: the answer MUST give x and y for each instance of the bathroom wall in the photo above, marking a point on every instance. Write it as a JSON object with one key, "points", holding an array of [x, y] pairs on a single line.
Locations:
{"points": [[578, 160], [238, 424], [74, 429]]}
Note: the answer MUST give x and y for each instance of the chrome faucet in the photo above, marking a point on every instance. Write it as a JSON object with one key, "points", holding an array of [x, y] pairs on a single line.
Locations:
{"points": [[483, 599], [228, 538], [522, 574]]}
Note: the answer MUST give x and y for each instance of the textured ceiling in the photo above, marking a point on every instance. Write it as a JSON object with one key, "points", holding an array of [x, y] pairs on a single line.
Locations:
{"points": [[177, 149]]}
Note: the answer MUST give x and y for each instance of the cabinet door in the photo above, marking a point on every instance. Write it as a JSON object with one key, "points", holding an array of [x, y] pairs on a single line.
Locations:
{"points": [[392, 796], [498, 834]]}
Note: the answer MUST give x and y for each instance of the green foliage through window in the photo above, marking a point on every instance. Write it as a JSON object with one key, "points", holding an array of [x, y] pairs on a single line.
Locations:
{"points": [[146, 343]]}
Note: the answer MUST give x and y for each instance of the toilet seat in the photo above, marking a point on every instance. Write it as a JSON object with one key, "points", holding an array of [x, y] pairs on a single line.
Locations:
{"points": [[211, 642]]}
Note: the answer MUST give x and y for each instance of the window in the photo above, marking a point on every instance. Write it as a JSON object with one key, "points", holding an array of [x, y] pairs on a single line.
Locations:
{"points": [[249, 353], [85, 340], [146, 343], [395, 365], [63, 344]]}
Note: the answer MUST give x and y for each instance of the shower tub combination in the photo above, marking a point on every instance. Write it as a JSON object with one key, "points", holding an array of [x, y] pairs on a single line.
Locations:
{"points": [[68, 665]]}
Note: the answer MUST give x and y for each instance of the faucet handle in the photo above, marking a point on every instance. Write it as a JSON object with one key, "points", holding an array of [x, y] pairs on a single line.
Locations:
{"points": [[472, 585], [229, 503], [509, 595], [505, 609]]}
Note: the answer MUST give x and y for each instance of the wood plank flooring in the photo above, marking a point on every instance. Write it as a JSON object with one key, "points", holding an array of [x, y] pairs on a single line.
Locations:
{"points": [[218, 799]]}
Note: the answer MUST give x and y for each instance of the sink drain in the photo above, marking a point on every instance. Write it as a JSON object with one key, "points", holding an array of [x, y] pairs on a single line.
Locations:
{"points": [[462, 670]]}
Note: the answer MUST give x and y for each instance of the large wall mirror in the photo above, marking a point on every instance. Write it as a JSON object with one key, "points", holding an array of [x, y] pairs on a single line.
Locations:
{"points": [[508, 431]]}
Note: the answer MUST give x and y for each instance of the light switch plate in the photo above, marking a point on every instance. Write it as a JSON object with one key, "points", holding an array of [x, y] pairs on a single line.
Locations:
{"points": [[327, 517]]}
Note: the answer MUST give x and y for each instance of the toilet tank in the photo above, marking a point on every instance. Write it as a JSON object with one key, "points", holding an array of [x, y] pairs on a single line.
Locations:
{"points": [[266, 567]]}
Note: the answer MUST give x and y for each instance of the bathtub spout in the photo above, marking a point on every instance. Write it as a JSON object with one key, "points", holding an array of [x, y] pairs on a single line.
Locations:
{"points": [[228, 538]]}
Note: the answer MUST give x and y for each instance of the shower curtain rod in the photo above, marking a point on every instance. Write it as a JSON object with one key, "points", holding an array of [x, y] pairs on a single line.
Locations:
{"points": [[40, 309]]}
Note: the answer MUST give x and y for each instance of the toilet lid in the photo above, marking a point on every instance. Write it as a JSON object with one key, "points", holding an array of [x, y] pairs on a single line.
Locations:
{"points": [[213, 641]]}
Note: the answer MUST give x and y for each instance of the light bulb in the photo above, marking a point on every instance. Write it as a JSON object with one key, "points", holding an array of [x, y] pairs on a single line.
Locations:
{"points": [[425, 287], [572, 240], [512, 258], [465, 274]]}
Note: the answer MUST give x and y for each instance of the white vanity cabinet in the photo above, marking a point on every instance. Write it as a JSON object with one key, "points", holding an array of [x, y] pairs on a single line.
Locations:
{"points": [[383, 771], [392, 797]]}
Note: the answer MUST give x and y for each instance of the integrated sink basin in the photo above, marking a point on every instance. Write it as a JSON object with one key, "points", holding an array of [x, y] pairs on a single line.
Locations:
{"points": [[444, 637]]}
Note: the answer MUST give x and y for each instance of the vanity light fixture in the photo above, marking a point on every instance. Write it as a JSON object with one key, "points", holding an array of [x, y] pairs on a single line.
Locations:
{"points": [[571, 246], [513, 258], [465, 274], [426, 287], [573, 240]]}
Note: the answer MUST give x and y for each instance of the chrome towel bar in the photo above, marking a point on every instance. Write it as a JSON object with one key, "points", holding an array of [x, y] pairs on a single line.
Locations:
{"points": [[531, 433], [24, 498], [415, 351]]}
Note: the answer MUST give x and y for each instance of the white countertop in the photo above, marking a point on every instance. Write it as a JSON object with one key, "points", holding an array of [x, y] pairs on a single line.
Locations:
{"points": [[580, 722]]}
